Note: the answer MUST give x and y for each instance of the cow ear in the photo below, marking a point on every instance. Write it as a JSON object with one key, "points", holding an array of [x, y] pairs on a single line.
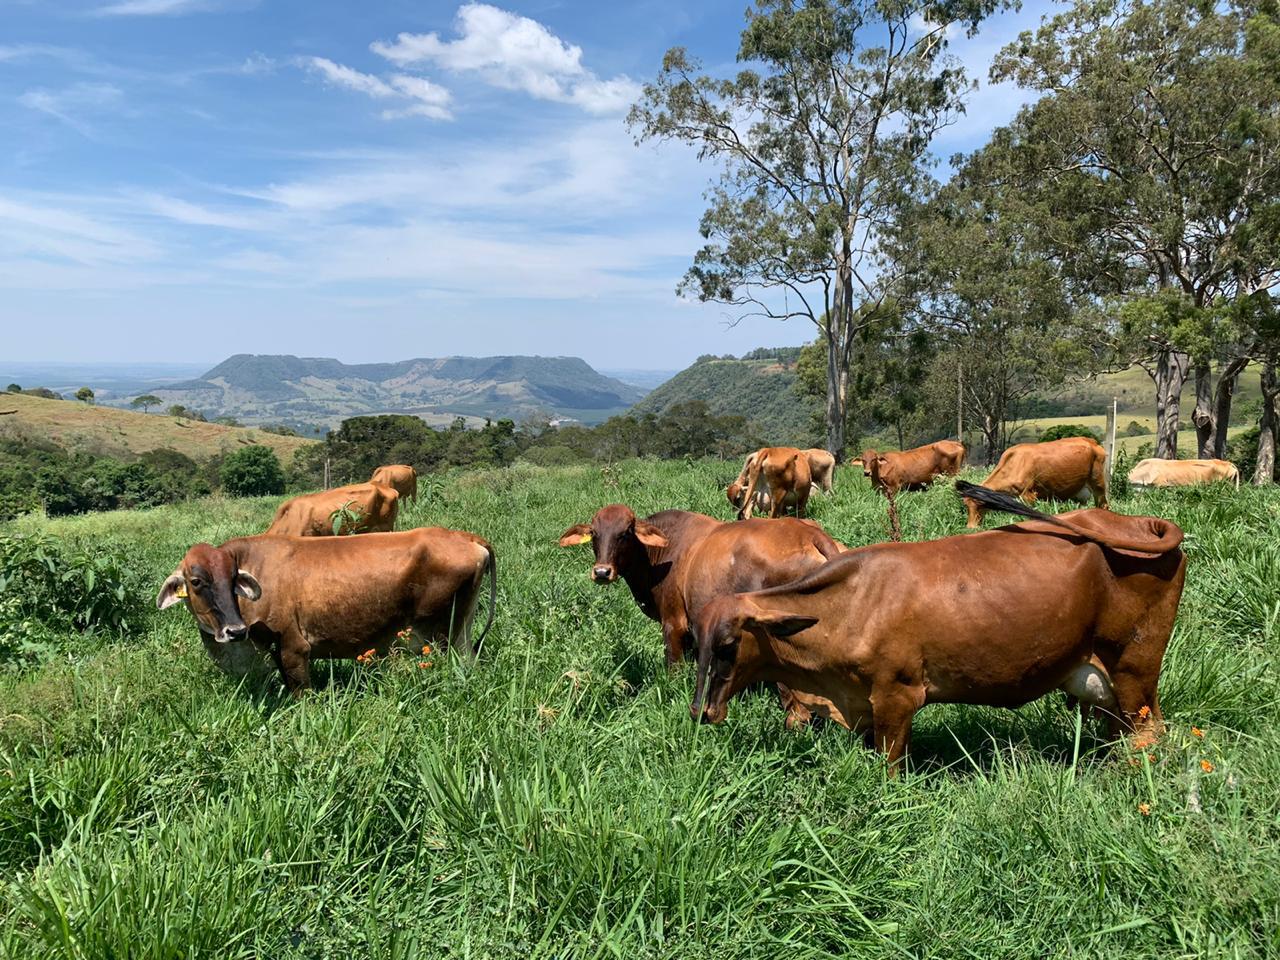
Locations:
{"points": [[247, 585], [782, 624], [649, 535], [578, 533], [174, 590]]}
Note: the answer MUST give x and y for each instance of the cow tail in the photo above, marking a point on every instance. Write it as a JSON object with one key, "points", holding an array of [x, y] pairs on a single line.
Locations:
{"points": [[1167, 540], [493, 595], [753, 475]]}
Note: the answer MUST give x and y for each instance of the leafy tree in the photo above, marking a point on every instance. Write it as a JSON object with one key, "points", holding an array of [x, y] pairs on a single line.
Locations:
{"points": [[1154, 157], [178, 410], [252, 471], [85, 395], [1060, 431], [820, 139], [13, 388], [146, 401]]}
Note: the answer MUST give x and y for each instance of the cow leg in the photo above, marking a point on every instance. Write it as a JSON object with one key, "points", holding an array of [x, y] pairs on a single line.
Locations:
{"points": [[674, 633], [802, 502], [797, 713], [294, 661], [778, 506], [893, 704], [1097, 484]]}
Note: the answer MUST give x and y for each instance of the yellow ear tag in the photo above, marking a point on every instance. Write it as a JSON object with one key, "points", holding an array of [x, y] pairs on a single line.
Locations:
{"points": [[182, 592]]}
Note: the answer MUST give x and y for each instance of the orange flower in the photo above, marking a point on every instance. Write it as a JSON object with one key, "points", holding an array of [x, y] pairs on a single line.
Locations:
{"points": [[1206, 766], [1144, 809], [430, 664], [1151, 758], [425, 651], [422, 665], [1197, 732], [1144, 712]]}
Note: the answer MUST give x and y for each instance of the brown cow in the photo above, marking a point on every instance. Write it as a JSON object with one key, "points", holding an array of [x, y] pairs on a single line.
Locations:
{"points": [[312, 514], [674, 561], [400, 477], [1154, 472], [1060, 469], [912, 469], [822, 469], [334, 598], [782, 472], [1084, 602]]}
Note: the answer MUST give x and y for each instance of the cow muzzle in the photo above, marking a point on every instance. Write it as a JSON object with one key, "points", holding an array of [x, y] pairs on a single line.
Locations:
{"points": [[603, 573], [230, 634]]}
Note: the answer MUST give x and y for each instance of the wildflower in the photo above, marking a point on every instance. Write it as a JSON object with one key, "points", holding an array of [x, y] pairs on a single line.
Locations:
{"points": [[1144, 809], [422, 664], [1197, 732], [1151, 758], [426, 650], [1206, 766], [1144, 712]]}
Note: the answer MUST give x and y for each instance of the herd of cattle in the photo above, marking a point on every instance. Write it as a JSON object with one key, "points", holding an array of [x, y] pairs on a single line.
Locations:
{"points": [[1082, 602]]}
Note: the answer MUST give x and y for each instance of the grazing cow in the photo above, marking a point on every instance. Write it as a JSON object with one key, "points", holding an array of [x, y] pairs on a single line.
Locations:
{"points": [[675, 561], [1154, 472], [912, 469], [312, 514], [401, 478], [1060, 469], [782, 472], [334, 598], [1084, 602], [822, 469]]}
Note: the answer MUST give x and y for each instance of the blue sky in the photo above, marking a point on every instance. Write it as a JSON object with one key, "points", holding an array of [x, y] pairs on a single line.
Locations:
{"points": [[181, 180]]}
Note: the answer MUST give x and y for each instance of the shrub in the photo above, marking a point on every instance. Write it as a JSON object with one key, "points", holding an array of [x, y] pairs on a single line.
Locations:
{"points": [[50, 591], [252, 472], [1061, 430]]}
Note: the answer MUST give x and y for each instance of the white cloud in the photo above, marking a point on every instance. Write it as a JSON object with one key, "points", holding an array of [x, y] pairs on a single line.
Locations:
{"points": [[154, 8], [427, 99], [68, 103], [514, 53]]}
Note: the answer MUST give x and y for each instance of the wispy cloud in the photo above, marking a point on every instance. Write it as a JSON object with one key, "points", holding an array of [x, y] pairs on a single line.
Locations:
{"points": [[70, 103], [157, 8], [426, 99], [514, 53]]}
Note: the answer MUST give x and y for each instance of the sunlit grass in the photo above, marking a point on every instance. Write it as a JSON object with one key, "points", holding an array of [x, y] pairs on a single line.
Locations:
{"points": [[555, 799]]}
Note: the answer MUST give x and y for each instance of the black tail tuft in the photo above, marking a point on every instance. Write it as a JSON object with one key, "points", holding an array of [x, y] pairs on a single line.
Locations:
{"points": [[994, 500]]}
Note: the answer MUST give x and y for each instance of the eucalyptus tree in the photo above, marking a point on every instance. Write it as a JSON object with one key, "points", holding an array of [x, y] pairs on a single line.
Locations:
{"points": [[821, 136], [1154, 151]]}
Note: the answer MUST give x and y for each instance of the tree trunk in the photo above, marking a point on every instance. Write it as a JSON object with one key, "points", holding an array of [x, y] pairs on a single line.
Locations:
{"points": [[1170, 375], [991, 436], [1226, 392], [1202, 415], [1268, 426], [836, 380]]}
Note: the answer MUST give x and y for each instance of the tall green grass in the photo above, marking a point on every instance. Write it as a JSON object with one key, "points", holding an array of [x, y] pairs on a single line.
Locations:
{"points": [[555, 799]]}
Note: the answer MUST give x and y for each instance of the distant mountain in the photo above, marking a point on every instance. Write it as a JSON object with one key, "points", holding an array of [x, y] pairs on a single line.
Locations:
{"points": [[644, 379], [314, 390], [762, 390]]}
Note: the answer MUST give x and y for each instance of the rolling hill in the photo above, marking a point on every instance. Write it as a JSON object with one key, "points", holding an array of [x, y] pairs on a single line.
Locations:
{"points": [[761, 390], [123, 434], [316, 390]]}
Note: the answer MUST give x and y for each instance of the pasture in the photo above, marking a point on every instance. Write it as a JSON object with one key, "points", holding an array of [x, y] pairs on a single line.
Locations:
{"points": [[556, 800]]}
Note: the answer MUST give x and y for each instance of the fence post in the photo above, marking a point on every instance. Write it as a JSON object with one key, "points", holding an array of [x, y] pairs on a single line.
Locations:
{"points": [[1111, 438]]}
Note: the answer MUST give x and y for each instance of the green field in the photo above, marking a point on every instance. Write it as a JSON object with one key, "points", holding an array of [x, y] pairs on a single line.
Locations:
{"points": [[555, 799]]}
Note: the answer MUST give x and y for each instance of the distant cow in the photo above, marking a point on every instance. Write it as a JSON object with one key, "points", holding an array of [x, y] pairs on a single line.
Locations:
{"points": [[1083, 602], [1154, 472], [1066, 469], [312, 514], [334, 598], [400, 477], [822, 469], [912, 469], [782, 472], [675, 561]]}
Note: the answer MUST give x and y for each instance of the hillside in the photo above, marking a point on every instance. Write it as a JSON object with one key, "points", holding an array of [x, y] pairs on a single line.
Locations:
{"points": [[319, 390], [763, 391], [124, 434]]}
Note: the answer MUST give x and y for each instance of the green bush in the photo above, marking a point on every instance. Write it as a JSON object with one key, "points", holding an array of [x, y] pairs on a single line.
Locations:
{"points": [[252, 472], [51, 592], [1060, 431]]}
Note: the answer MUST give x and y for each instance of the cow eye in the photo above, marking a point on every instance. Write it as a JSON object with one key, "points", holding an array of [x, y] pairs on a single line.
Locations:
{"points": [[196, 583]]}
